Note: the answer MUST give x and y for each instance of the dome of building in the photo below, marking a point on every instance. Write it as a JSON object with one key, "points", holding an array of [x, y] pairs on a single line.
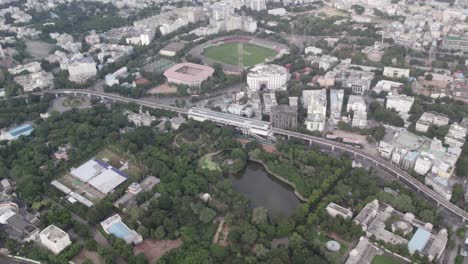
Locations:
{"points": [[333, 246]]}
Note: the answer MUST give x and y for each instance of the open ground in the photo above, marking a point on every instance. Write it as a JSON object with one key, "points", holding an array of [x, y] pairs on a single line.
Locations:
{"points": [[228, 53], [154, 249]]}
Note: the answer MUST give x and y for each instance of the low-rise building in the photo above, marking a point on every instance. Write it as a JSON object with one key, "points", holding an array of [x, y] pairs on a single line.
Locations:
{"points": [[440, 185], [427, 119], [16, 132], [401, 103], [313, 50], [35, 80], [29, 67], [335, 210], [171, 49], [114, 225], [375, 217], [387, 86], [55, 239], [396, 72], [375, 52], [141, 118]]}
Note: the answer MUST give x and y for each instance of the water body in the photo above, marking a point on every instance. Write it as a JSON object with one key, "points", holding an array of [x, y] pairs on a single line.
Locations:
{"points": [[264, 190]]}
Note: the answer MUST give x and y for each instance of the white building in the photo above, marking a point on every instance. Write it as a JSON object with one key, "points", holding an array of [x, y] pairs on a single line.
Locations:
{"points": [[396, 72], [140, 36], [269, 77], [316, 103], [400, 103], [335, 210], [427, 119], [386, 86], [220, 10], [357, 105], [277, 12], [54, 238], [141, 118], [258, 5], [172, 26], [359, 119], [456, 135], [30, 67], [423, 164], [313, 50], [82, 70], [35, 80]]}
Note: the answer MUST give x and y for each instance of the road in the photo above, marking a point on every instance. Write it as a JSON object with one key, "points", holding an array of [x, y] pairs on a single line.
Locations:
{"points": [[399, 173], [380, 162]]}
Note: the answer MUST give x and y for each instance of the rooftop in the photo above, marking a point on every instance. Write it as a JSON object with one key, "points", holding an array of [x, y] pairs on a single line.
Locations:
{"points": [[53, 233], [173, 47], [189, 72], [419, 240]]}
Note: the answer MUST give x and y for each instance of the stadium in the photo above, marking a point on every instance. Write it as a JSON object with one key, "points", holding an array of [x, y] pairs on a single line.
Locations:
{"points": [[225, 50]]}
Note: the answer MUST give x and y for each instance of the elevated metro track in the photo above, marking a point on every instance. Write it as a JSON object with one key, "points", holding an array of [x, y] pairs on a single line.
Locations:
{"points": [[263, 127]]}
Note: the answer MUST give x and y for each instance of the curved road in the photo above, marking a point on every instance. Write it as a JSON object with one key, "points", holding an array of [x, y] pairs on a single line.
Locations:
{"points": [[399, 173], [378, 161]]}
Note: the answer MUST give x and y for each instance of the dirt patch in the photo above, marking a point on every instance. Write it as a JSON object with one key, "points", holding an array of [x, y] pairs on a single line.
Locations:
{"points": [[164, 88], [222, 233], [85, 254], [154, 249], [39, 49]]}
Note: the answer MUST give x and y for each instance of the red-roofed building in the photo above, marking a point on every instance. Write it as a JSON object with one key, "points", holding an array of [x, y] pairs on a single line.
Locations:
{"points": [[187, 73]]}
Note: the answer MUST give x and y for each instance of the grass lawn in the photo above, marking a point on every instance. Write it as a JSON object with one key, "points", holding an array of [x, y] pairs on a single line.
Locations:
{"points": [[383, 259], [207, 162], [227, 53]]}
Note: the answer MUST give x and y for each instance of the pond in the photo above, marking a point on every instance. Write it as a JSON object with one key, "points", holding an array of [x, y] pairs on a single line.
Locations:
{"points": [[264, 190]]}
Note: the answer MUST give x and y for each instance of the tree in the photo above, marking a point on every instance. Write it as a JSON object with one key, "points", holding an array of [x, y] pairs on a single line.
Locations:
{"points": [[428, 77], [358, 9], [207, 215], [250, 235], [259, 216]]}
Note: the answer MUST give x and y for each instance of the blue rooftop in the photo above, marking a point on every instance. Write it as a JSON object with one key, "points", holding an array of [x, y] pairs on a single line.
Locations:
{"points": [[25, 130], [419, 241]]}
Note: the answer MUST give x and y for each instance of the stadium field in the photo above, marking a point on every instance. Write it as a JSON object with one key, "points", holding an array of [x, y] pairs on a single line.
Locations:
{"points": [[228, 53]]}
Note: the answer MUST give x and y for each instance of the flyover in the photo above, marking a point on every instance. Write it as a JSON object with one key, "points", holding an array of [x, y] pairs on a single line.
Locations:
{"points": [[115, 98], [232, 120]]}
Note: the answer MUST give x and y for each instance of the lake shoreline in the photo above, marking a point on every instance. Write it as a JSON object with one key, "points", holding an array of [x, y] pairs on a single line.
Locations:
{"points": [[293, 185]]}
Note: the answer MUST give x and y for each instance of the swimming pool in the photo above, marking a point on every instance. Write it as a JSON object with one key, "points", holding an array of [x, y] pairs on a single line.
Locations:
{"points": [[119, 230]]}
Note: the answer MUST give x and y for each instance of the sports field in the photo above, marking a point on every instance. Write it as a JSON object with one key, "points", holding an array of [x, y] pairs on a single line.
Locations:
{"points": [[228, 53]]}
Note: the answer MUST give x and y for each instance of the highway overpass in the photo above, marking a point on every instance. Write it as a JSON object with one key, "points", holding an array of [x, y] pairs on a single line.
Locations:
{"points": [[262, 129]]}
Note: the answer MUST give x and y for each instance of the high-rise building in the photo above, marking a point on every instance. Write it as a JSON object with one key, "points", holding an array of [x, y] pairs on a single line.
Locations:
{"points": [[258, 5], [283, 116]]}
